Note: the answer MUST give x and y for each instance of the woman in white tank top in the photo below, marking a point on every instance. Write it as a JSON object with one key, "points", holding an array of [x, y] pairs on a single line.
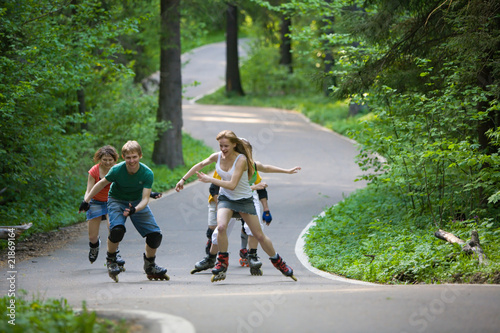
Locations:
{"points": [[234, 164]]}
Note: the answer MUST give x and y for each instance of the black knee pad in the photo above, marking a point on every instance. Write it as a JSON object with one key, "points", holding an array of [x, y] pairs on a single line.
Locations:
{"points": [[116, 234], [154, 239], [209, 233]]}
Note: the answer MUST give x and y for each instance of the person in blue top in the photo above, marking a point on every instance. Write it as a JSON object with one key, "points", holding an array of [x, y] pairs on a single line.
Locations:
{"points": [[129, 197]]}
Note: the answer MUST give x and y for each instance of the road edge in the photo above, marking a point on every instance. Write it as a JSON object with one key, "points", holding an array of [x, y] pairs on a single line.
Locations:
{"points": [[154, 322], [304, 259]]}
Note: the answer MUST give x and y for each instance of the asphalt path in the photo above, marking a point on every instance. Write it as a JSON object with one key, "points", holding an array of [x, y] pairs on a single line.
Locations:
{"points": [[245, 303]]}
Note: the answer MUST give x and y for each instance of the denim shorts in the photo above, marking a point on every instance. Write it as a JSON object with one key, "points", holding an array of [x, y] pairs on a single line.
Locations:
{"points": [[143, 221], [245, 226], [97, 209], [243, 205]]}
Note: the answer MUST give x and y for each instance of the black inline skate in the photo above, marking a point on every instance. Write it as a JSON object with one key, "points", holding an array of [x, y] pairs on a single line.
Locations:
{"points": [[254, 263], [281, 265], [113, 268], [120, 261], [94, 251], [153, 271], [205, 263], [219, 272]]}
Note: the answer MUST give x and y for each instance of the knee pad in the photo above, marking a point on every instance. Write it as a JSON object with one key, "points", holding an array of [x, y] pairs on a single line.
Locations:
{"points": [[209, 233], [116, 234], [154, 239]]}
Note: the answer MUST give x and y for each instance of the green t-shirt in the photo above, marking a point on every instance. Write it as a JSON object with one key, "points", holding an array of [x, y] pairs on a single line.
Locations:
{"points": [[126, 186]]}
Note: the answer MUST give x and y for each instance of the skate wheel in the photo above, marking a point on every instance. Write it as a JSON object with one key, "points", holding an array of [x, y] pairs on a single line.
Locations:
{"points": [[218, 277], [122, 268], [194, 270], [159, 278], [243, 262], [293, 277], [114, 277], [256, 271]]}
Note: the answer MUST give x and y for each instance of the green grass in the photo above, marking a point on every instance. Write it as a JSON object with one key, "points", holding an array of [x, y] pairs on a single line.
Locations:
{"points": [[193, 43], [369, 237], [52, 315]]}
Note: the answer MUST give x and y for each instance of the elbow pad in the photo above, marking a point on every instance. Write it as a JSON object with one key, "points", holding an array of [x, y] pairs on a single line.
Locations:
{"points": [[262, 194], [214, 189]]}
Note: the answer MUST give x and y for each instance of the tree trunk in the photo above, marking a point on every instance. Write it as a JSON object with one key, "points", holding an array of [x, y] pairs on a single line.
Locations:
{"points": [[168, 148], [6, 232], [80, 94], [472, 246], [286, 44], [233, 81], [329, 61]]}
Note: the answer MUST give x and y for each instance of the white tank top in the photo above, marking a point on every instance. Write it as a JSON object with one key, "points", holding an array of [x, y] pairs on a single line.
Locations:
{"points": [[242, 190]]}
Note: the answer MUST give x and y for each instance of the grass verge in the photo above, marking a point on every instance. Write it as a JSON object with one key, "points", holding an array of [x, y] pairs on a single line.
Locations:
{"points": [[369, 237], [53, 315]]}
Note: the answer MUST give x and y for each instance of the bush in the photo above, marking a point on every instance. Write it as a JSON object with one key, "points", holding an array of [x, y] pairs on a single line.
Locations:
{"points": [[52, 315]]}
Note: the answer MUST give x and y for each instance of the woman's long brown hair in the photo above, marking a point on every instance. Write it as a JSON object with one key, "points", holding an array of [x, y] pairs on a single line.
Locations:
{"points": [[240, 147]]}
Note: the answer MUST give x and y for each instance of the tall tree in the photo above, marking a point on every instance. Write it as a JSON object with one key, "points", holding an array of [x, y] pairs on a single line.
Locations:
{"points": [[286, 43], [233, 81], [168, 148]]}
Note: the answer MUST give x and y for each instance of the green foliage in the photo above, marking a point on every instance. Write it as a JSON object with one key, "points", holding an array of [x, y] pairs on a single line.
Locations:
{"points": [[137, 116], [49, 51], [51, 315], [369, 237], [426, 75]]}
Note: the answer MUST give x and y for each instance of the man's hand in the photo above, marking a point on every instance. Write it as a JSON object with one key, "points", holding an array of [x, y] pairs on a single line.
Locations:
{"points": [[84, 206], [129, 211]]}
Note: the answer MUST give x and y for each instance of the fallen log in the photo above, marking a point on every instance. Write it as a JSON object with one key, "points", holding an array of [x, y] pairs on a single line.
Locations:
{"points": [[6, 231], [449, 237], [471, 246]]}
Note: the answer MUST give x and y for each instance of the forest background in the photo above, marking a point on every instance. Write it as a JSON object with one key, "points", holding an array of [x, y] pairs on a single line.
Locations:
{"points": [[415, 84]]}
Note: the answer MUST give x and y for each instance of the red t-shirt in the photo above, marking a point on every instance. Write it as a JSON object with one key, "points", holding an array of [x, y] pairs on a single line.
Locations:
{"points": [[103, 195]]}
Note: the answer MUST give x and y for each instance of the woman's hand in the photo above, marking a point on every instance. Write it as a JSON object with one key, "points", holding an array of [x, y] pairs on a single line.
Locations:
{"points": [[180, 185], [294, 170], [203, 177], [260, 186]]}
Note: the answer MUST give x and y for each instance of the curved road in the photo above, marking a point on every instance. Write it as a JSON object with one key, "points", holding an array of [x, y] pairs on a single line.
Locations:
{"points": [[245, 303]]}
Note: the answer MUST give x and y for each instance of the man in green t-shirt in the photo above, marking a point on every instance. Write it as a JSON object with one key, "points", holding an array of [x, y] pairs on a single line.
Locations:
{"points": [[129, 196]]}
